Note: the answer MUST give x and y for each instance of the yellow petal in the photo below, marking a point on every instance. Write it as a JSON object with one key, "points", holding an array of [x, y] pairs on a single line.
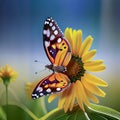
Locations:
{"points": [[79, 97], [68, 36], [11, 72], [2, 69], [93, 63], [95, 68], [69, 98], [0, 74], [91, 96], [79, 40], [74, 37], [66, 32], [62, 99], [28, 84], [73, 97], [86, 45], [52, 97], [82, 93], [88, 56], [7, 67], [8, 72], [95, 80], [92, 88]]}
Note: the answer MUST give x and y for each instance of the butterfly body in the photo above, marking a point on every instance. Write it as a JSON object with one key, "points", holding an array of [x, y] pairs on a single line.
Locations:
{"points": [[56, 68], [58, 50]]}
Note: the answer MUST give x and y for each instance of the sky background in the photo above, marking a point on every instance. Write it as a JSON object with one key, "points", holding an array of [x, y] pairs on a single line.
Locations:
{"points": [[21, 24]]}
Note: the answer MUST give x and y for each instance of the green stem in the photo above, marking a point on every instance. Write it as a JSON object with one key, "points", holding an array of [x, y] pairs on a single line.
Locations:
{"points": [[6, 85], [49, 114], [6, 94], [33, 116], [28, 111]]}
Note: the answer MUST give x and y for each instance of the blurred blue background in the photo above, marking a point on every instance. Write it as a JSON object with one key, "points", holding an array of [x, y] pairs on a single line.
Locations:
{"points": [[21, 24]]}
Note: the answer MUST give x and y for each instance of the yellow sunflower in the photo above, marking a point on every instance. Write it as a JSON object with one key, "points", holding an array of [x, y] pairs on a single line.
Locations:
{"points": [[84, 86], [7, 74]]}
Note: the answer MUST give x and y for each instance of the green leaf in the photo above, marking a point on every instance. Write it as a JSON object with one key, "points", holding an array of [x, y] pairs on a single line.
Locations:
{"points": [[37, 107], [94, 112], [14, 112], [2, 114], [105, 110]]}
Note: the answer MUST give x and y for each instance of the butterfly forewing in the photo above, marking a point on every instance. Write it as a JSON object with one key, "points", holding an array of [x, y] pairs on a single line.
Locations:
{"points": [[51, 30], [56, 46]]}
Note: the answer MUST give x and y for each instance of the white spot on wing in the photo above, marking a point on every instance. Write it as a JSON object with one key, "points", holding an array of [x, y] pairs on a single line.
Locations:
{"points": [[55, 32], [46, 22], [51, 52], [47, 43], [59, 40], [43, 84], [52, 37], [48, 19], [48, 90], [41, 94], [35, 96], [51, 24], [58, 89], [46, 32], [53, 27], [40, 89]]}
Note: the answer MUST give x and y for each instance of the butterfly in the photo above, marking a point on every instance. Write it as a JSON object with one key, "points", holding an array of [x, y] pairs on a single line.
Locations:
{"points": [[58, 51]]}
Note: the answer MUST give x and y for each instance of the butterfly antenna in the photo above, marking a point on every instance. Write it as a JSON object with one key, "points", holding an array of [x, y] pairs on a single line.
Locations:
{"points": [[40, 71], [40, 61], [36, 61]]}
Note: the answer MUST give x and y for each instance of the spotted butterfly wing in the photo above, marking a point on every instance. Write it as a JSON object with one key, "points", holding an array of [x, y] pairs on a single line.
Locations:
{"points": [[52, 84], [59, 53], [56, 46]]}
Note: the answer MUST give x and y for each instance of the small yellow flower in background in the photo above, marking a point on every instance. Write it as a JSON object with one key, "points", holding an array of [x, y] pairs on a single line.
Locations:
{"points": [[84, 86], [7, 74]]}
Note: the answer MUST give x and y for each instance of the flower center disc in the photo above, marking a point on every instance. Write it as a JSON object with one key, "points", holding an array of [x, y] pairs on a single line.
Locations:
{"points": [[75, 69]]}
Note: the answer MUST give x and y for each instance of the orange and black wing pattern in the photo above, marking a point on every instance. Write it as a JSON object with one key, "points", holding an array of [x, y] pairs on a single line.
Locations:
{"points": [[52, 84], [58, 51], [56, 46]]}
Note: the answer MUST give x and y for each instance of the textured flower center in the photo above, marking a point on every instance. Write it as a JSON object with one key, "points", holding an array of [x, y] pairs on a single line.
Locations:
{"points": [[75, 69]]}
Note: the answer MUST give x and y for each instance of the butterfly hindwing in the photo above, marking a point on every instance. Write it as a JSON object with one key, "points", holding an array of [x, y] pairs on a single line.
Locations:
{"points": [[56, 46], [53, 83]]}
